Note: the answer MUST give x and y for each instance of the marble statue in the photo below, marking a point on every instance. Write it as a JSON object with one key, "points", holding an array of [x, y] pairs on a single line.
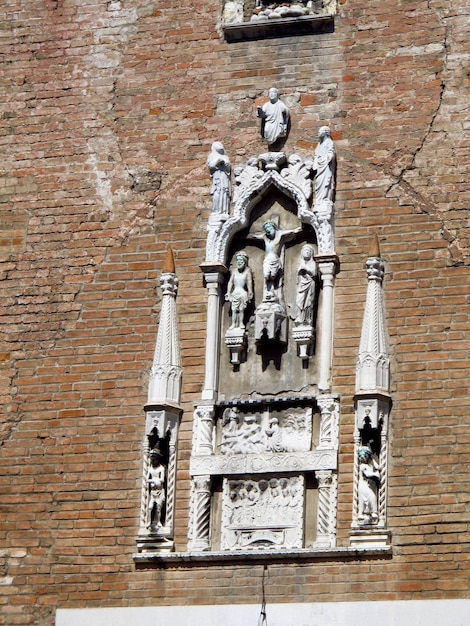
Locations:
{"points": [[324, 166], [369, 479], [274, 240], [245, 176], [299, 173], [305, 298], [240, 290], [275, 117], [156, 485], [219, 168]]}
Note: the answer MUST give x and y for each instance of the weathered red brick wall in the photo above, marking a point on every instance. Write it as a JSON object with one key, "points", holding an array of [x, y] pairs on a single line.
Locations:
{"points": [[107, 116]]}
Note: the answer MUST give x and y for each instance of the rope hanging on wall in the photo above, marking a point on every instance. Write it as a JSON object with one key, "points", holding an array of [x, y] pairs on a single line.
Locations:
{"points": [[262, 621]]}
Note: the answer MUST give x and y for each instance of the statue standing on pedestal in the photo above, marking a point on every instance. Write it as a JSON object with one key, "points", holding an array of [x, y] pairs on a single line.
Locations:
{"points": [[305, 299], [324, 166], [219, 168], [240, 290], [369, 479], [275, 117], [157, 494]]}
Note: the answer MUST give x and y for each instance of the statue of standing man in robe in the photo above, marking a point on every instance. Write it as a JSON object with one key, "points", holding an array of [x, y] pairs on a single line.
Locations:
{"points": [[275, 117], [219, 168], [324, 167]]}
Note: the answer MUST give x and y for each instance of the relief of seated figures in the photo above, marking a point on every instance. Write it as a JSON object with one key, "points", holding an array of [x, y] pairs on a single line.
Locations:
{"points": [[247, 433]]}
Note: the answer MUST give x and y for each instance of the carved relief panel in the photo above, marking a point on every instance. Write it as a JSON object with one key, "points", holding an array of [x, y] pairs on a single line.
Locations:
{"points": [[265, 438], [263, 512]]}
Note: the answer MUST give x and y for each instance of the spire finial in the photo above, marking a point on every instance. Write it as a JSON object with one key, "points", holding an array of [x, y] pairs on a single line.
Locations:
{"points": [[374, 250], [169, 263]]}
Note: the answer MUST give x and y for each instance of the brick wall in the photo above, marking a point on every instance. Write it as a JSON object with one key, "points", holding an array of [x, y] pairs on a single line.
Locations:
{"points": [[107, 116]]}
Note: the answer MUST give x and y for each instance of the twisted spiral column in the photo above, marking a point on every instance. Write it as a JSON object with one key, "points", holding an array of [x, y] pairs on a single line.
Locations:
{"points": [[201, 510], [325, 515]]}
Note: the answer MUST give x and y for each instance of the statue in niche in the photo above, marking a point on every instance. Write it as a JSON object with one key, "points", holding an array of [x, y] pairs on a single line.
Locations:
{"points": [[324, 166], [274, 240], [275, 117], [369, 480], [219, 168], [240, 290], [156, 485], [306, 276], [274, 435]]}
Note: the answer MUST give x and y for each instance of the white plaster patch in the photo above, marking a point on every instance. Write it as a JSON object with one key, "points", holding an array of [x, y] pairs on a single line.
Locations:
{"points": [[431, 48], [416, 612]]}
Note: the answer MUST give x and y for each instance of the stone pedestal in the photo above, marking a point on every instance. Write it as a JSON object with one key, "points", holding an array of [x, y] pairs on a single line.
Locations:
{"points": [[303, 337], [270, 323], [235, 339]]}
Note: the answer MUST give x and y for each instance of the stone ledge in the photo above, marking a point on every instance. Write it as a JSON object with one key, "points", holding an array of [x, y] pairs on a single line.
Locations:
{"points": [[176, 559], [285, 27]]}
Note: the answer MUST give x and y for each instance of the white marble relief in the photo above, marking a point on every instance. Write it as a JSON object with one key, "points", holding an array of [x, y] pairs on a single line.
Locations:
{"points": [[231, 464], [266, 512], [299, 173], [282, 431]]}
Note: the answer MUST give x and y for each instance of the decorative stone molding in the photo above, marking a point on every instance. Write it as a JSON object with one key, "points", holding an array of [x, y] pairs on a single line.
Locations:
{"points": [[259, 175], [264, 463], [329, 421], [203, 437]]}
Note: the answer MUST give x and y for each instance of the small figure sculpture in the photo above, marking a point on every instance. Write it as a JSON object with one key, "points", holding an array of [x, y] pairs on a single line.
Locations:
{"points": [[240, 290], [299, 173], [274, 435], [245, 176], [275, 117], [369, 479], [230, 427], [157, 495], [251, 436], [324, 166], [274, 240], [219, 168], [305, 299]]}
